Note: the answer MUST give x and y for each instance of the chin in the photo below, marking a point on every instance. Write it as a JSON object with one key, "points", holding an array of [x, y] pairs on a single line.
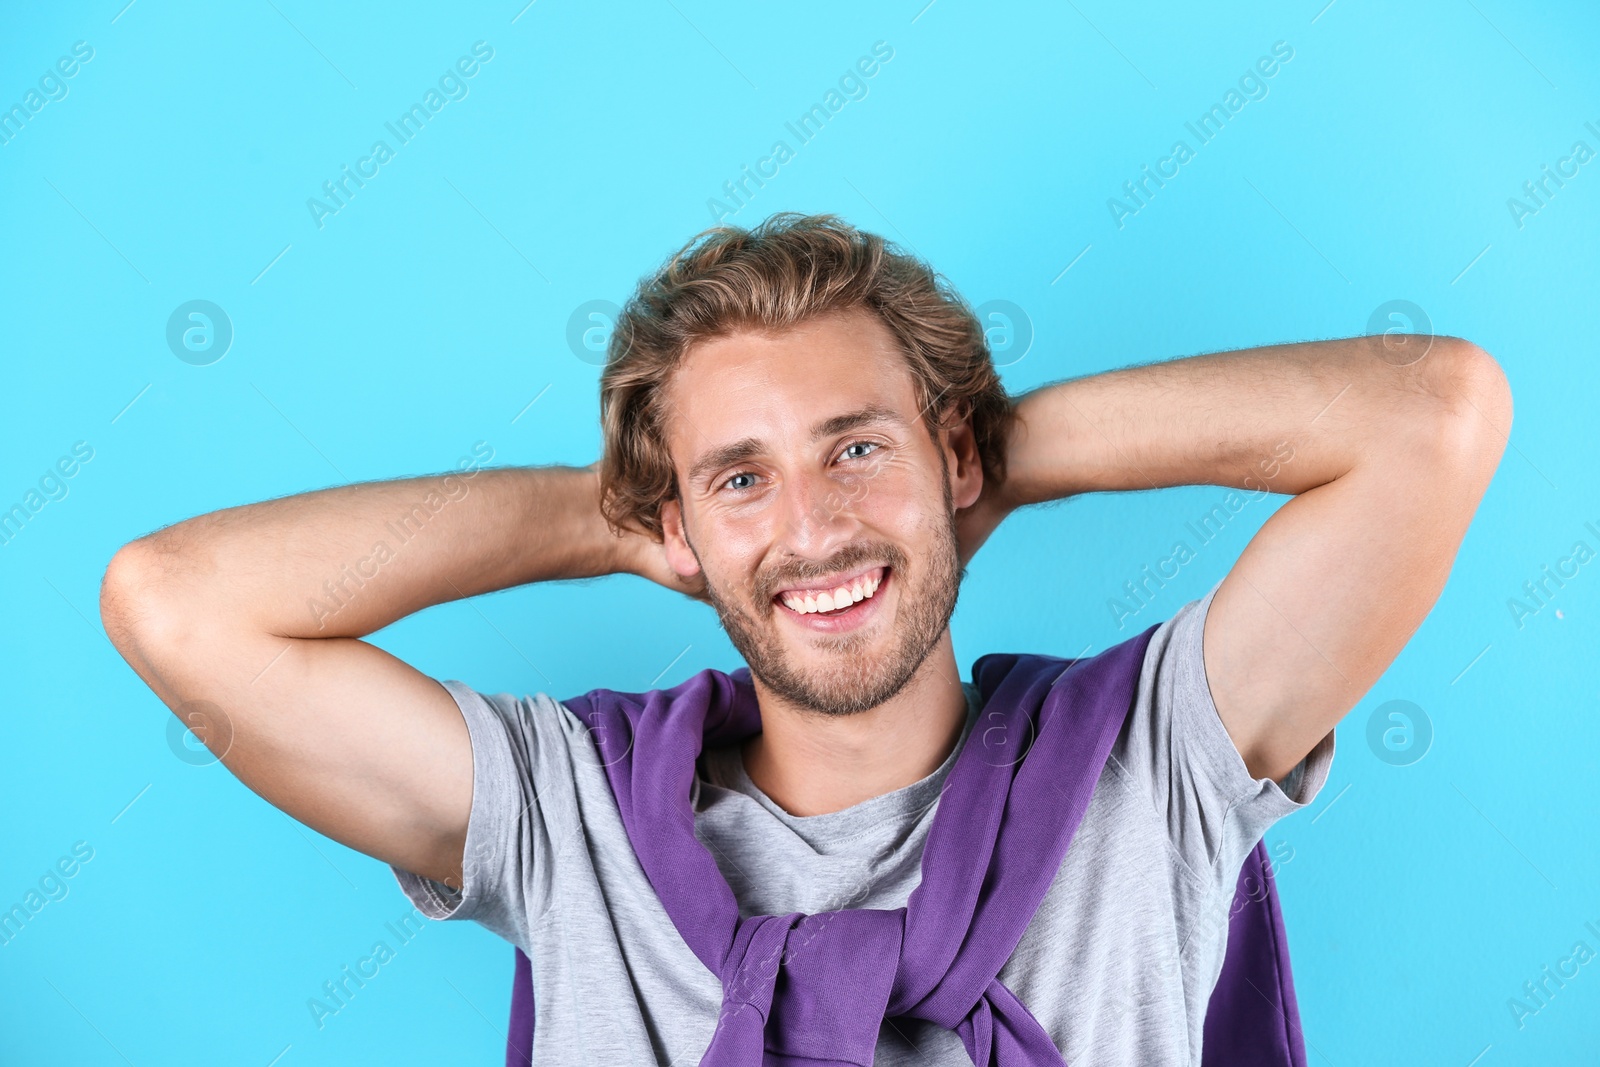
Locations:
{"points": [[834, 682]]}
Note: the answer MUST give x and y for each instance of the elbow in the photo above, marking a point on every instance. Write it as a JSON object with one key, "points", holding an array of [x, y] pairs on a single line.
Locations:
{"points": [[1474, 413], [117, 597], [1477, 385], [128, 592]]}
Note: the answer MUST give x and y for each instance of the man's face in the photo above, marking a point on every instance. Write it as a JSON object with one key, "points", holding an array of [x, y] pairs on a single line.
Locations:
{"points": [[804, 465]]}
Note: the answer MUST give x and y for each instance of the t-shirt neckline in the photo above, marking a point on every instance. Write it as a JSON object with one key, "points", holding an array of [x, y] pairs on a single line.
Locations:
{"points": [[884, 809]]}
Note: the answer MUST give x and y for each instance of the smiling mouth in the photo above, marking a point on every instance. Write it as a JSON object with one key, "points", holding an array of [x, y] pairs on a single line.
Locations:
{"points": [[834, 599]]}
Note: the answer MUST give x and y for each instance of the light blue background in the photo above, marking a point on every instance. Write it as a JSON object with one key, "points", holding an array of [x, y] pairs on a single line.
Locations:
{"points": [[429, 312]]}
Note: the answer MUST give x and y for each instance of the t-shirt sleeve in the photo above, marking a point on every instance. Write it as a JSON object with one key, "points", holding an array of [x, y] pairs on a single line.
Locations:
{"points": [[523, 810], [1175, 746]]}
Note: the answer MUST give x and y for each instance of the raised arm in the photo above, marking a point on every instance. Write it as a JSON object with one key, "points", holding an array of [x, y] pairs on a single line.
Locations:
{"points": [[256, 612], [1386, 454]]}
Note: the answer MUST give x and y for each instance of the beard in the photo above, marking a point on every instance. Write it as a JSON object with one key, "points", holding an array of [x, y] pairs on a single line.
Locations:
{"points": [[850, 680]]}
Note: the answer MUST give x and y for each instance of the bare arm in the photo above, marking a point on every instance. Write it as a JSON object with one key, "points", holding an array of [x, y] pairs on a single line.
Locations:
{"points": [[258, 610], [1387, 463]]}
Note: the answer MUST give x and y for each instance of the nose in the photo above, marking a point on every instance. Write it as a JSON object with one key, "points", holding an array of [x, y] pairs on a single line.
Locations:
{"points": [[818, 514]]}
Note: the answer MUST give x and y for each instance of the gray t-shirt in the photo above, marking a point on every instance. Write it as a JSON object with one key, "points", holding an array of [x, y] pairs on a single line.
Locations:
{"points": [[1117, 964]]}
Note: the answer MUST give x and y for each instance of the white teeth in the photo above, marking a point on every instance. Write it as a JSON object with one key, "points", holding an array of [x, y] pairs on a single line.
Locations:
{"points": [[812, 603]]}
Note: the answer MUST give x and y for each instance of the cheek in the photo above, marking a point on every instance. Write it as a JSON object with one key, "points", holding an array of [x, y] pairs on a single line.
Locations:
{"points": [[731, 554], [899, 509], [736, 542]]}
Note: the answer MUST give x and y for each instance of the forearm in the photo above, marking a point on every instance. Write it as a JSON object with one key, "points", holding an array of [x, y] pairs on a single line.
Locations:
{"points": [[1386, 464], [1285, 417], [350, 560]]}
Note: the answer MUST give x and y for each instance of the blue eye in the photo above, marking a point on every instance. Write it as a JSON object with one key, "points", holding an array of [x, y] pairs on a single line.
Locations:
{"points": [[728, 483]]}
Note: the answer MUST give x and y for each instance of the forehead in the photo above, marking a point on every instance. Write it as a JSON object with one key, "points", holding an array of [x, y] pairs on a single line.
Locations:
{"points": [[776, 386]]}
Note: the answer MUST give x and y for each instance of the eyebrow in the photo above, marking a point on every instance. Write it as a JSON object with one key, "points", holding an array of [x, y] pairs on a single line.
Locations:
{"points": [[738, 451]]}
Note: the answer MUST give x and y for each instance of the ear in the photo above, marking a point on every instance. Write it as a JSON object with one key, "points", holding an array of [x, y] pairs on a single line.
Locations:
{"points": [[675, 541], [961, 453]]}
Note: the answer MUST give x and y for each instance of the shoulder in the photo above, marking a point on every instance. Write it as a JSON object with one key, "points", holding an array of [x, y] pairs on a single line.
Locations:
{"points": [[1176, 693], [1176, 750], [540, 735], [532, 717]]}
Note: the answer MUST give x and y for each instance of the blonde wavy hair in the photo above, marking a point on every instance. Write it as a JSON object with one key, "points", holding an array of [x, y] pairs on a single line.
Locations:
{"points": [[787, 269]]}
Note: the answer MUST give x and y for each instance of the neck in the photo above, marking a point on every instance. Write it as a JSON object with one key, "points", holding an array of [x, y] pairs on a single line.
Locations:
{"points": [[813, 764]]}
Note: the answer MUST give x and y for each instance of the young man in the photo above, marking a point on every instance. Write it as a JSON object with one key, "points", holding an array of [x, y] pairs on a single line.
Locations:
{"points": [[798, 418]]}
